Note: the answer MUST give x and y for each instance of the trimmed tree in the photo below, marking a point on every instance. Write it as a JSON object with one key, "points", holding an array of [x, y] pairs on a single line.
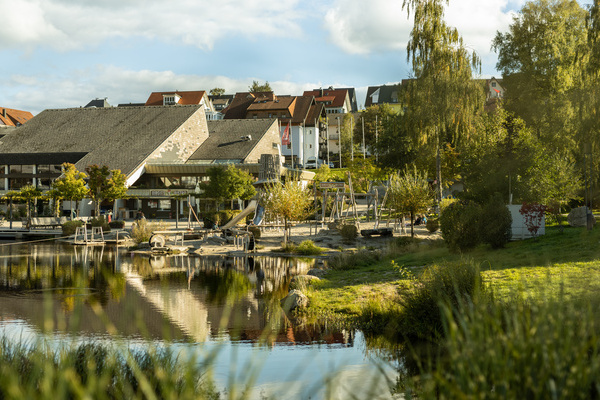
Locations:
{"points": [[29, 193], [289, 201], [105, 184], [227, 184], [70, 185], [410, 192]]}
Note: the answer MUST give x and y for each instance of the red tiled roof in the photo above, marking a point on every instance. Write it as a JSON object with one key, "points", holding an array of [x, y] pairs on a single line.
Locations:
{"points": [[336, 96], [186, 97], [14, 117]]}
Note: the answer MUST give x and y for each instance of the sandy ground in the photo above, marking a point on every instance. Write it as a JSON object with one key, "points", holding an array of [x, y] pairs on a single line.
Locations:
{"points": [[272, 239]]}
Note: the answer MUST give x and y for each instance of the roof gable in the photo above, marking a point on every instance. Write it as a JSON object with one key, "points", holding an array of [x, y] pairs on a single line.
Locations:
{"points": [[12, 117], [185, 97]]}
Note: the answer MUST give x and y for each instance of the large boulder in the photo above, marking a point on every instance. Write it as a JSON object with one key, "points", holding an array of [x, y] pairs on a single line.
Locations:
{"points": [[578, 217], [318, 272], [294, 299]]}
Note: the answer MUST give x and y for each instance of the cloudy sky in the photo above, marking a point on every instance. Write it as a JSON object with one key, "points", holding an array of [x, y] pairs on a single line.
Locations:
{"points": [[64, 53]]}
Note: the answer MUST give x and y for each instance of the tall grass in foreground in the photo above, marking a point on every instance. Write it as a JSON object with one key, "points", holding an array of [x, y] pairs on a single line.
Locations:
{"points": [[534, 349], [94, 371]]}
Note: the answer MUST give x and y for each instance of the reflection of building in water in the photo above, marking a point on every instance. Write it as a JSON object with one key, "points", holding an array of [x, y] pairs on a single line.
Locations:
{"points": [[201, 298]]}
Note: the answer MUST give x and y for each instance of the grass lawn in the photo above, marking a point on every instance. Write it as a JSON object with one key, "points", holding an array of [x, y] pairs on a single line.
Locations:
{"points": [[567, 262]]}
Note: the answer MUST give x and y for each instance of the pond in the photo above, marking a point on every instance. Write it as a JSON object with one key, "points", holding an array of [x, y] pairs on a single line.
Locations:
{"points": [[200, 304]]}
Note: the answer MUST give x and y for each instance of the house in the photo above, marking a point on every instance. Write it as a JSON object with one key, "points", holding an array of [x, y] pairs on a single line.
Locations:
{"points": [[221, 102], [164, 151], [337, 103], [98, 103], [300, 116], [12, 118], [193, 97], [384, 94]]}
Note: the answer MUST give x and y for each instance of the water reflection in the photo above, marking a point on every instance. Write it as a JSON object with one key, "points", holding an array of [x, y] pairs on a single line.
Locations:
{"points": [[97, 291]]}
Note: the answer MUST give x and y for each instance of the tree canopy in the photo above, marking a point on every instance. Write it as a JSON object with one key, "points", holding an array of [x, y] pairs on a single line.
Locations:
{"points": [[257, 87], [105, 184], [228, 183]]}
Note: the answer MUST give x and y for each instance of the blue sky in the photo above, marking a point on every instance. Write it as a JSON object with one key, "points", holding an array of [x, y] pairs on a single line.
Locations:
{"points": [[64, 53]]}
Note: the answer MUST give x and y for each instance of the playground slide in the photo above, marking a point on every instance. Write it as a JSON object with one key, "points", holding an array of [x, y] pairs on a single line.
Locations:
{"points": [[251, 207], [259, 215]]}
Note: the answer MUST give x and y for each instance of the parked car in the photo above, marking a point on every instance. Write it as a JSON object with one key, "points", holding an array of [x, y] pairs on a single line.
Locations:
{"points": [[312, 163]]}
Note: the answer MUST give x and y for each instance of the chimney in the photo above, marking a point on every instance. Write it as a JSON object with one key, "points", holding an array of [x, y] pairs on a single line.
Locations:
{"points": [[4, 112]]}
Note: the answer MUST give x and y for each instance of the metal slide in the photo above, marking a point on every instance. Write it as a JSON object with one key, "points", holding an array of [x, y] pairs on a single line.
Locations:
{"points": [[251, 207], [259, 215]]}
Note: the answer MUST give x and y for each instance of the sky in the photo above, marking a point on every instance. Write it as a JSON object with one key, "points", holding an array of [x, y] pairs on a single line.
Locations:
{"points": [[65, 53]]}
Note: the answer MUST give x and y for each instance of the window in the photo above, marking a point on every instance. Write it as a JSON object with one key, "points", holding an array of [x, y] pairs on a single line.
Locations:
{"points": [[27, 169], [164, 204], [169, 100], [493, 84], [152, 203], [274, 145], [289, 146], [43, 168], [15, 169]]}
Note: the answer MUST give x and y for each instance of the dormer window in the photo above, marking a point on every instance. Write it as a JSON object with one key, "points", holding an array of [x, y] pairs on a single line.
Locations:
{"points": [[170, 99]]}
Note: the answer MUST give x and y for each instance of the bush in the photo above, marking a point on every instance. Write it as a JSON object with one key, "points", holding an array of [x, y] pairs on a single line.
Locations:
{"points": [[70, 227], [101, 223], [460, 225], [117, 224], [141, 231], [308, 248], [256, 232], [349, 232], [453, 286], [433, 224], [496, 223]]}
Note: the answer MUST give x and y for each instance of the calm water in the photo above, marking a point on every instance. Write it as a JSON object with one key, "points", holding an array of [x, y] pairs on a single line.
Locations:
{"points": [[200, 304]]}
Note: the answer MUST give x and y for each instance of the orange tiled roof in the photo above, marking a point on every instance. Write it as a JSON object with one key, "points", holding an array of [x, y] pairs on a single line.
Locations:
{"points": [[337, 97], [186, 97], [11, 117]]}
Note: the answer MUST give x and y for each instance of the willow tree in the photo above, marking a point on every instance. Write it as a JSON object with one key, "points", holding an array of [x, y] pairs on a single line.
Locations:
{"points": [[443, 100]]}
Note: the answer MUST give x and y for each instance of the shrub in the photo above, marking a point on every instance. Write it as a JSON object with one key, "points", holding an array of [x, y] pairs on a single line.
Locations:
{"points": [[496, 223], [349, 232], [70, 227], [460, 225], [117, 224], [308, 248], [433, 224], [141, 231], [452, 285], [256, 232], [347, 261], [100, 222]]}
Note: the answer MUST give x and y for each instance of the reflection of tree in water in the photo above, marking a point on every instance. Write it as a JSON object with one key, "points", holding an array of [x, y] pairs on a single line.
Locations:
{"points": [[69, 274]]}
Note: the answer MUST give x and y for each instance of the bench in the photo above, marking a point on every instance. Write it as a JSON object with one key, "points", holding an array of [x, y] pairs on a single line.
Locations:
{"points": [[384, 232], [47, 222]]}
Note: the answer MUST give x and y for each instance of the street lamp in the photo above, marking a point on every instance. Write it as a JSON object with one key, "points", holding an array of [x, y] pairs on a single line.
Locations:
{"points": [[339, 139]]}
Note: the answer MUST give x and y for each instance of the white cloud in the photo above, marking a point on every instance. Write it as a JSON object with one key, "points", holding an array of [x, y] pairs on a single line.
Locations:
{"points": [[383, 25], [359, 28], [39, 92], [68, 24]]}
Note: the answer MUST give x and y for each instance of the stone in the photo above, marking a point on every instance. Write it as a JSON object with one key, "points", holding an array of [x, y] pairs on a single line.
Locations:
{"points": [[294, 299], [301, 281], [578, 217], [316, 272]]}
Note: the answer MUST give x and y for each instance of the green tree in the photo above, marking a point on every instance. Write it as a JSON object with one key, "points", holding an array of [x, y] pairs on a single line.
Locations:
{"points": [[541, 59], [105, 184], [395, 146], [443, 101], [70, 185], [228, 183], [256, 87], [374, 119], [29, 194], [410, 192], [217, 91], [289, 201]]}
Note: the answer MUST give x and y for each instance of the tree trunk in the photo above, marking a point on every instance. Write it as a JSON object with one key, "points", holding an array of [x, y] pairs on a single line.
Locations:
{"points": [[438, 165], [285, 232], [412, 224]]}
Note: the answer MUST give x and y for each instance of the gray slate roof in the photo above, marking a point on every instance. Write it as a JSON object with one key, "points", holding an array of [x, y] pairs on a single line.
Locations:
{"points": [[119, 137], [225, 139]]}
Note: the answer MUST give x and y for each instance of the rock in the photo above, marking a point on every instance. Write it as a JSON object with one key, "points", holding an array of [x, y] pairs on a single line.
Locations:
{"points": [[294, 299], [301, 281], [578, 217], [316, 272]]}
